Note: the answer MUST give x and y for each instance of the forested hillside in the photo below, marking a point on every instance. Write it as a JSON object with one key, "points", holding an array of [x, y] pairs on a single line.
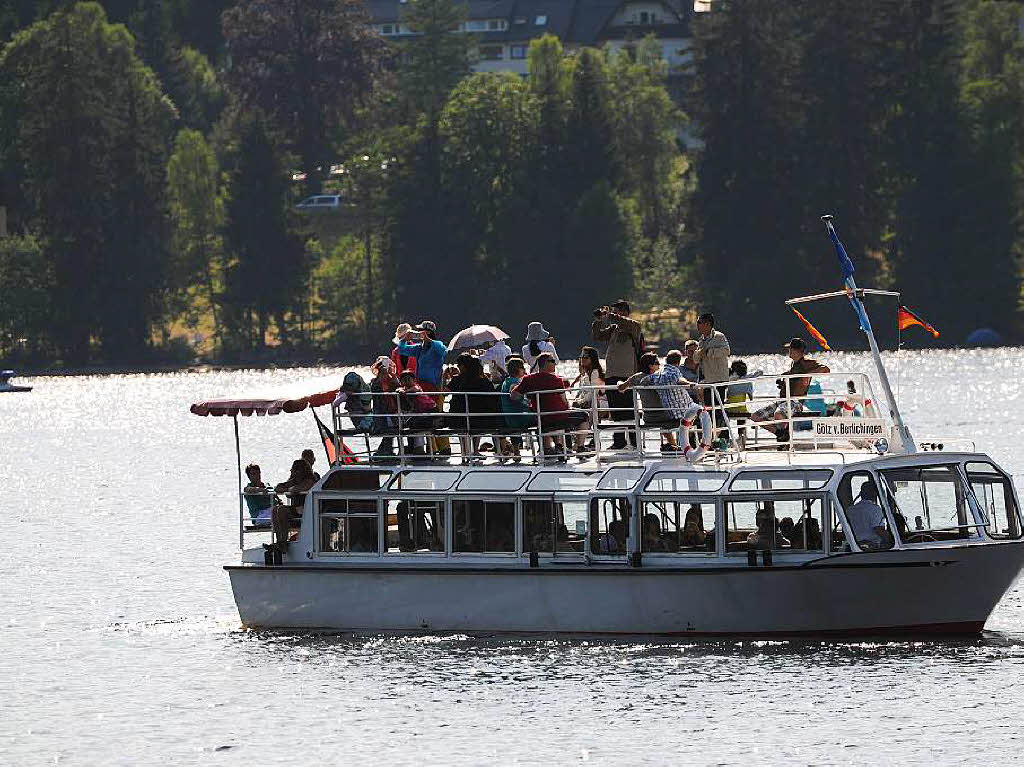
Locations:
{"points": [[152, 155]]}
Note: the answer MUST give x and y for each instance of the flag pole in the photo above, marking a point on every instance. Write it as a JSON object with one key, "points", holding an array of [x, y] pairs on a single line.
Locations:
{"points": [[906, 442]]}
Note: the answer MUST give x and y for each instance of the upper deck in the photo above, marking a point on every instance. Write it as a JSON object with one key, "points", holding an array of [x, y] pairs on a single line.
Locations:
{"points": [[754, 420]]}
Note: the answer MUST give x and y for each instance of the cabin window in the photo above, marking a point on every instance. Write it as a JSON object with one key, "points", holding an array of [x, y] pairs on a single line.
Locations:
{"points": [[928, 503], [349, 479], [782, 525], [554, 527], [609, 526], [414, 526], [686, 482], [859, 496], [559, 481], [995, 496], [621, 478], [425, 480], [811, 479], [518, 52], [492, 52], [508, 481], [678, 527], [348, 525], [483, 527]]}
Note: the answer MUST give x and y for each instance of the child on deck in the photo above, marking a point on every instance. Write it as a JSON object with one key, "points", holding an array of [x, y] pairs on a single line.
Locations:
{"points": [[413, 400]]}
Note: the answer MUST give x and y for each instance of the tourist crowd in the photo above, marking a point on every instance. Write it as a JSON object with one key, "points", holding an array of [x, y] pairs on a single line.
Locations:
{"points": [[494, 390]]}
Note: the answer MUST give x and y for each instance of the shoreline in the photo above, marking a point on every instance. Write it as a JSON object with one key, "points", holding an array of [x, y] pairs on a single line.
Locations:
{"points": [[208, 367]]}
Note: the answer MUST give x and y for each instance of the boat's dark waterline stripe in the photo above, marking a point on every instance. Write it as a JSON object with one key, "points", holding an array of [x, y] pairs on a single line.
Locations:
{"points": [[960, 628]]}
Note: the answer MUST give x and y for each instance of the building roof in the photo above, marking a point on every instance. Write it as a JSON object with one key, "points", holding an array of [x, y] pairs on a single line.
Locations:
{"points": [[580, 22]]}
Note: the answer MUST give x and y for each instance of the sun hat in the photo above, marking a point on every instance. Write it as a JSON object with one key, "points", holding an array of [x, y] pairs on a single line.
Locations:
{"points": [[400, 332], [382, 362], [535, 332]]}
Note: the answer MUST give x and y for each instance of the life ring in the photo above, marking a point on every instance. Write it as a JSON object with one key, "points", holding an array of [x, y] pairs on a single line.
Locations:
{"points": [[694, 454]]}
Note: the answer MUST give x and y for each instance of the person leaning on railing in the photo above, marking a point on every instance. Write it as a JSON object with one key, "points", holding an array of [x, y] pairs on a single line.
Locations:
{"points": [[794, 390]]}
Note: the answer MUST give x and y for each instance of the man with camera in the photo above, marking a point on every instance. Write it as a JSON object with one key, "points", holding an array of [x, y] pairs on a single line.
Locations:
{"points": [[625, 346]]}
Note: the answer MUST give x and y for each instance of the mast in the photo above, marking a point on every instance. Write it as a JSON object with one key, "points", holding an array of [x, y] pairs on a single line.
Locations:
{"points": [[906, 441]]}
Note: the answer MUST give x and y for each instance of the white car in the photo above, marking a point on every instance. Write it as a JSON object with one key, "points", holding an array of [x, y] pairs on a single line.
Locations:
{"points": [[320, 202]]}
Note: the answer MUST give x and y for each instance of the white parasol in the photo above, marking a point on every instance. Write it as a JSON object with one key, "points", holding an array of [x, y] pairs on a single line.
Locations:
{"points": [[476, 335]]}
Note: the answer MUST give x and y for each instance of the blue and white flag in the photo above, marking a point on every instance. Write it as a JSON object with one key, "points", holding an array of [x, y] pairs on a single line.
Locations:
{"points": [[846, 266]]}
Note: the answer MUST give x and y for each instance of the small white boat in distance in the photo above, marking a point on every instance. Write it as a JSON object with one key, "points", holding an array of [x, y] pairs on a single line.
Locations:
{"points": [[7, 386]]}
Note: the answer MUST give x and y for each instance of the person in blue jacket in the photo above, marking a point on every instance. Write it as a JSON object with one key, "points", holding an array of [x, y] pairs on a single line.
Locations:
{"points": [[429, 354]]}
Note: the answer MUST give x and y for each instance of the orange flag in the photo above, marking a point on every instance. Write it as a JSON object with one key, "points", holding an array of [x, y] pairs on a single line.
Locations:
{"points": [[906, 318], [812, 330]]}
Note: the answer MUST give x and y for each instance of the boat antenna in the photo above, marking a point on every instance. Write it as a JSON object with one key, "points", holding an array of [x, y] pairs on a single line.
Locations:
{"points": [[905, 441]]}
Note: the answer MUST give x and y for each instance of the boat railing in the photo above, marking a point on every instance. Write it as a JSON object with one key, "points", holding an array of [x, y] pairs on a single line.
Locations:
{"points": [[492, 427]]}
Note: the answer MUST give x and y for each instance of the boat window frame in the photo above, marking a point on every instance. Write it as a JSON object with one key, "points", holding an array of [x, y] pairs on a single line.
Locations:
{"points": [[823, 494], [486, 498], [335, 470], [631, 537], [965, 493], [597, 473], [390, 488], [816, 488], [654, 476], [553, 556], [629, 490], [414, 496], [457, 487], [338, 495], [979, 509], [706, 497]]}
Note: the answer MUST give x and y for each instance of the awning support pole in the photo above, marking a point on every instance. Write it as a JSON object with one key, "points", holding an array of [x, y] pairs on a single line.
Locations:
{"points": [[241, 502]]}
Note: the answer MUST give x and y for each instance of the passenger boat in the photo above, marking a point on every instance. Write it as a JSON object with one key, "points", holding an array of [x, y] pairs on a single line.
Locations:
{"points": [[7, 386], [848, 527]]}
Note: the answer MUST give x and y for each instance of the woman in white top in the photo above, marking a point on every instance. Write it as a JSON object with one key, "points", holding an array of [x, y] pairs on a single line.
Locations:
{"points": [[591, 374], [538, 341]]}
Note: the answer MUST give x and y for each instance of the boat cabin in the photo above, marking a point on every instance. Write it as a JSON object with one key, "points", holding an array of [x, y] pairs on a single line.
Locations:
{"points": [[652, 513]]}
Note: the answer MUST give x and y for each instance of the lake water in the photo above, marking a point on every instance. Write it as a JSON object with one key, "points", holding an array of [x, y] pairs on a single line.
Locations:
{"points": [[120, 644]]}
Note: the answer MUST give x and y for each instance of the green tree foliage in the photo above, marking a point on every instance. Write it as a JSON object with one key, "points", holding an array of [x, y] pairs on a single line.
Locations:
{"points": [[26, 309], [308, 65], [268, 275], [98, 199], [433, 60], [196, 213], [748, 110]]}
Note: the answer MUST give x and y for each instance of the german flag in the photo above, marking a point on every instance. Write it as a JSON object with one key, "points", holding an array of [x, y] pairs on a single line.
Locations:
{"points": [[906, 318], [327, 437]]}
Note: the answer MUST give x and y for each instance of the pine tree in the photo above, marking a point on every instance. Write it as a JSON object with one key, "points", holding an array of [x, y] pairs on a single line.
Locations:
{"points": [[309, 66]]}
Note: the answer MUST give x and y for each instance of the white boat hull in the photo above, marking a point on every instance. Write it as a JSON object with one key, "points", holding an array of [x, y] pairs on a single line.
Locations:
{"points": [[940, 591]]}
